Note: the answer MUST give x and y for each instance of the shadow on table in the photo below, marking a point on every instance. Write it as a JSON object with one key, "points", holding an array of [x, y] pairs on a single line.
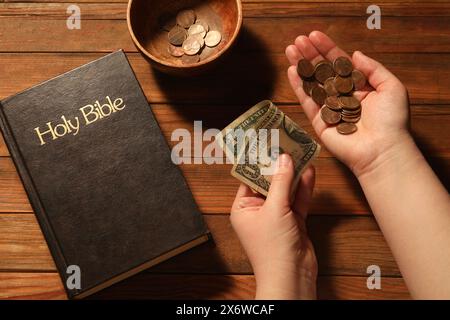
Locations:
{"points": [[322, 230], [194, 274], [245, 76]]}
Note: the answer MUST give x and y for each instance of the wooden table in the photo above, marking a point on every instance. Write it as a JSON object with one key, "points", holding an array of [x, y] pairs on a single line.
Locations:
{"points": [[414, 43]]}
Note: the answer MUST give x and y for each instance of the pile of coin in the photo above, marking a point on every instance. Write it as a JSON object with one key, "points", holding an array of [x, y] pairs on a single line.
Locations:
{"points": [[188, 35], [331, 85]]}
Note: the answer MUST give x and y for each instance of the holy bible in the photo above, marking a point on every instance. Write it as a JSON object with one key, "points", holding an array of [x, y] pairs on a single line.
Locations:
{"points": [[99, 175]]}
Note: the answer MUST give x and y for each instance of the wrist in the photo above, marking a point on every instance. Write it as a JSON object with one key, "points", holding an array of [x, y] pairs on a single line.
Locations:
{"points": [[394, 159], [293, 283]]}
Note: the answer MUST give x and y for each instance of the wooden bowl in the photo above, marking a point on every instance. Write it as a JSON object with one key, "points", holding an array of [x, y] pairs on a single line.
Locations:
{"points": [[144, 25]]}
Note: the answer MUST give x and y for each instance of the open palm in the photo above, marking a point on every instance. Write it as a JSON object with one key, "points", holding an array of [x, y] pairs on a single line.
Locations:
{"points": [[385, 112]]}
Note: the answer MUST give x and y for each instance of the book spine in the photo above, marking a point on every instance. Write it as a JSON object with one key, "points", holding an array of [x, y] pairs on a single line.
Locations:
{"points": [[33, 196]]}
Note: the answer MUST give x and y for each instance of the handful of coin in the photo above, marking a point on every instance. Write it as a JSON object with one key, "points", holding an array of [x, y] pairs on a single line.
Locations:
{"points": [[188, 35], [331, 85]]}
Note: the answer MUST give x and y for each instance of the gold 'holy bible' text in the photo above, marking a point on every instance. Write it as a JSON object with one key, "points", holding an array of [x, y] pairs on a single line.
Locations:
{"points": [[90, 114]]}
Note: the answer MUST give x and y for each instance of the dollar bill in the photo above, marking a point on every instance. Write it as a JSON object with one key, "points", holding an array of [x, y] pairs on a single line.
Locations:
{"points": [[228, 137], [290, 138]]}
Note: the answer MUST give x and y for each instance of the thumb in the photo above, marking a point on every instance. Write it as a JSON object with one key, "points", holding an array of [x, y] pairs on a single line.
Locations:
{"points": [[304, 192], [280, 187]]}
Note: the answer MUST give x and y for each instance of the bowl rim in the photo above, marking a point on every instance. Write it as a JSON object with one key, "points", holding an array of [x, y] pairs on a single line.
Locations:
{"points": [[198, 64]]}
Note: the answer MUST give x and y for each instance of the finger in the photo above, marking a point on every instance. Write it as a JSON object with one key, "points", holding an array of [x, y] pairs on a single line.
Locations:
{"points": [[326, 47], [280, 187], [305, 191], [293, 55], [360, 95], [310, 108], [247, 202], [243, 191], [308, 50], [375, 72]]}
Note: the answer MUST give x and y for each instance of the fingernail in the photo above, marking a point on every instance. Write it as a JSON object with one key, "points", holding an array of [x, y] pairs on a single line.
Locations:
{"points": [[284, 161], [358, 53]]}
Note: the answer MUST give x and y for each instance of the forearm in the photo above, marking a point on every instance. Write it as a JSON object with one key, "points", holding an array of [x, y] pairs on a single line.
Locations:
{"points": [[413, 211]]}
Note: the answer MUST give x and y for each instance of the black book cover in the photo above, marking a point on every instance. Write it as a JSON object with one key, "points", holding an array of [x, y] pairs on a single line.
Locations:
{"points": [[99, 174]]}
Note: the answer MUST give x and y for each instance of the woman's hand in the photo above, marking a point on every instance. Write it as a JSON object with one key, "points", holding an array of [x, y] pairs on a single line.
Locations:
{"points": [[385, 108], [410, 204], [274, 235]]}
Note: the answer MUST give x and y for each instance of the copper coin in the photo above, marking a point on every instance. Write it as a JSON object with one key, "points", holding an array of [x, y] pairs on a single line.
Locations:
{"points": [[308, 85], [319, 95], [346, 128], [351, 112], [351, 116], [321, 62], [329, 87], [213, 38], [199, 38], [323, 71], [351, 119], [177, 36], [191, 46], [190, 59], [343, 66], [204, 24], [305, 69], [333, 103], [359, 79], [197, 29], [349, 102], [329, 116], [186, 18], [343, 85], [175, 51]]}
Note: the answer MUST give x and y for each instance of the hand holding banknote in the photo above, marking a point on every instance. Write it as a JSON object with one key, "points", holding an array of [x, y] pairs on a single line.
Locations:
{"points": [[273, 234], [273, 230]]}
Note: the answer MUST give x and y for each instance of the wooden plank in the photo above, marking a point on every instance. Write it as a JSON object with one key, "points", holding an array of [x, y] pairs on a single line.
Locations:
{"points": [[31, 35], [89, 11], [426, 122], [247, 2], [426, 76], [243, 287], [344, 246], [100, 11], [338, 9], [337, 191], [396, 35], [36, 286], [198, 287]]}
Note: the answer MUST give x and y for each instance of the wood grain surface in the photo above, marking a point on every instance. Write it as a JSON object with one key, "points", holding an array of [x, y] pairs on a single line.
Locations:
{"points": [[344, 246], [156, 286], [414, 43]]}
